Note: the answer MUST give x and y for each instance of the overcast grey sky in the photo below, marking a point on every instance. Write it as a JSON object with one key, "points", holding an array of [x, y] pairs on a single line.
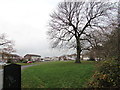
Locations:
{"points": [[25, 22]]}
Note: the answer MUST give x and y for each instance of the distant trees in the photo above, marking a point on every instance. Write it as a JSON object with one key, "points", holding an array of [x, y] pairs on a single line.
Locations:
{"points": [[108, 47], [118, 31], [73, 23], [6, 45]]}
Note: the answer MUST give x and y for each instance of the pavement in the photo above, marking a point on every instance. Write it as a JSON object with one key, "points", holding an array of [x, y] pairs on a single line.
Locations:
{"points": [[1, 79], [23, 67]]}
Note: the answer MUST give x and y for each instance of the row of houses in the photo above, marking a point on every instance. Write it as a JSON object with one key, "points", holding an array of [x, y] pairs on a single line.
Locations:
{"points": [[66, 58], [61, 58], [7, 57]]}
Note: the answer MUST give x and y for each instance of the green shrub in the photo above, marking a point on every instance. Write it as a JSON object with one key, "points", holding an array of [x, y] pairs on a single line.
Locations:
{"points": [[24, 61], [108, 75], [91, 59], [10, 61]]}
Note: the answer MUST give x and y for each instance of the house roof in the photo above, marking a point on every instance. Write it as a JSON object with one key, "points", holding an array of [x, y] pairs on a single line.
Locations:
{"points": [[32, 55], [15, 55], [8, 54]]}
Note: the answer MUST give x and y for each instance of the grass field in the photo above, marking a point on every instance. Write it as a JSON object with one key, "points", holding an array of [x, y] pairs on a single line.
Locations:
{"points": [[58, 75]]}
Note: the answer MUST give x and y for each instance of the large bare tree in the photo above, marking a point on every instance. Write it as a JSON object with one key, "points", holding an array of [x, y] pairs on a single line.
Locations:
{"points": [[72, 23]]}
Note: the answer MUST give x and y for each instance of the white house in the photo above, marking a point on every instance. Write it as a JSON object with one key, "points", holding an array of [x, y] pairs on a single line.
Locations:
{"points": [[68, 57], [32, 57], [47, 59]]}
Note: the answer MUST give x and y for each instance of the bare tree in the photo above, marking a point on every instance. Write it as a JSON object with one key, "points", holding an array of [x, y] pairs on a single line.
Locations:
{"points": [[73, 21], [6, 45]]}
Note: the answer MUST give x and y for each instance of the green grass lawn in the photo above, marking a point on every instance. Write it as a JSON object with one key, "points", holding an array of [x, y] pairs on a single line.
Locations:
{"points": [[58, 75]]}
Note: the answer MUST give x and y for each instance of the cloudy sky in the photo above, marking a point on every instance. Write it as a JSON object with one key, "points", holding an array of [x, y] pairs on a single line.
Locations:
{"points": [[25, 22]]}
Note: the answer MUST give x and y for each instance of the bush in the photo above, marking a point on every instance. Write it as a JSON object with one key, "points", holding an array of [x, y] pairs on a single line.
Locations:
{"points": [[108, 75], [91, 59], [10, 61], [24, 61]]}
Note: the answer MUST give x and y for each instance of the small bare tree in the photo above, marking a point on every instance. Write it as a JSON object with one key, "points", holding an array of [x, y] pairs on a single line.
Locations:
{"points": [[6, 45], [72, 23]]}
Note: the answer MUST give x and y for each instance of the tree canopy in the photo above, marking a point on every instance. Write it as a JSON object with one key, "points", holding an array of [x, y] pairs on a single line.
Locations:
{"points": [[73, 23]]}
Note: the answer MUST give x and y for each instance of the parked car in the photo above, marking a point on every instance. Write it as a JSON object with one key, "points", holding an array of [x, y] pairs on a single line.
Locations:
{"points": [[3, 63], [29, 62]]}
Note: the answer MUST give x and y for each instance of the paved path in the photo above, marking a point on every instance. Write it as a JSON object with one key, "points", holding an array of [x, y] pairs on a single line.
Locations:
{"points": [[23, 67], [1, 79]]}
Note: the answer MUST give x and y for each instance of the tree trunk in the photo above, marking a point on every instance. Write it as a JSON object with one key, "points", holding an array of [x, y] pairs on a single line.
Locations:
{"points": [[78, 51]]}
